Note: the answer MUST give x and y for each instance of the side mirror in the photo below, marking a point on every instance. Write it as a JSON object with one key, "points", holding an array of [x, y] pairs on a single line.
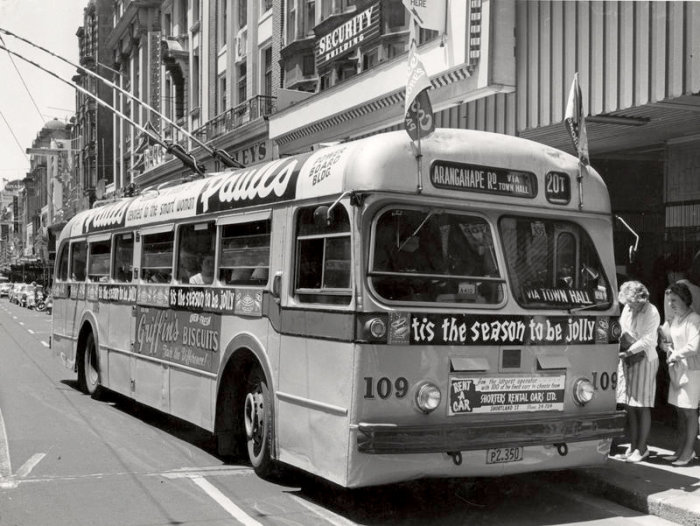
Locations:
{"points": [[632, 253], [323, 216]]}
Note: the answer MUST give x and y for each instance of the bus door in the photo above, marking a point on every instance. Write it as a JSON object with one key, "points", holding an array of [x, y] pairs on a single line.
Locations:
{"points": [[317, 350], [60, 300], [99, 249], [76, 304], [121, 305], [150, 375]]}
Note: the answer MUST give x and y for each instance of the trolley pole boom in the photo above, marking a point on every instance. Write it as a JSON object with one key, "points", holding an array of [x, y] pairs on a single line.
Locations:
{"points": [[173, 148], [215, 152]]}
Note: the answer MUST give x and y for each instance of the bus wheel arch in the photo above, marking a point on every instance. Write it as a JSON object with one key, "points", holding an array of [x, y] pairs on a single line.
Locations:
{"points": [[87, 362], [243, 364]]}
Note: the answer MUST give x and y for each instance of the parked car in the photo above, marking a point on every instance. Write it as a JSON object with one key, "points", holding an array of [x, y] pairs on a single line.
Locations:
{"points": [[25, 296], [5, 288]]}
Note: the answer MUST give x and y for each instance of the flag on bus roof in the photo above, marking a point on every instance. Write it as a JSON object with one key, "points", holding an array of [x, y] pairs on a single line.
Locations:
{"points": [[576, 122], [418, 110]]}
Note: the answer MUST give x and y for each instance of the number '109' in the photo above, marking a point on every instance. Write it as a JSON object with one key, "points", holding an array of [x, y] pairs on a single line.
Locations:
{"points": [[384, 387]]}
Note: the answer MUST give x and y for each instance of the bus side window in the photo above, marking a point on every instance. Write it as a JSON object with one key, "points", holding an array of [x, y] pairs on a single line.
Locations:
{"points": [[123, 258], [78, 260], [98, 263], [323, 261], [195, 243], [245, 253], [62, 274], [157, 258]]}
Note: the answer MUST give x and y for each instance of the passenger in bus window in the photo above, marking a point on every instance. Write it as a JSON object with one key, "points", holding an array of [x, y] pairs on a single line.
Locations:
{"points": [[206, 275]]}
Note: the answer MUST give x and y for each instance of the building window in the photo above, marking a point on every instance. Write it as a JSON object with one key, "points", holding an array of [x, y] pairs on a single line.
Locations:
{"points": [[195, 82], [370, 59], [222, 94], [222, 27], [242, 96], [195, 11], [242, 13], [395, 16], [308, 65], [292, 22], [310, 18], [267, 71], [265, 5]]}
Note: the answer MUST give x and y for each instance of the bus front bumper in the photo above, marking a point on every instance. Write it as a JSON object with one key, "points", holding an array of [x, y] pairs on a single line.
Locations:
{"points": [[526, 430]]}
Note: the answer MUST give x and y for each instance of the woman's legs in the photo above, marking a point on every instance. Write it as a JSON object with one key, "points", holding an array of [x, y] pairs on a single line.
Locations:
{"points": [[633, 420], [642, 419], [688, 428]]}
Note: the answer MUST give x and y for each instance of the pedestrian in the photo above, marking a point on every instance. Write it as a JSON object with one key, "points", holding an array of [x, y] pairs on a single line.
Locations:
{"points": [[638, 365], [683, 360]]}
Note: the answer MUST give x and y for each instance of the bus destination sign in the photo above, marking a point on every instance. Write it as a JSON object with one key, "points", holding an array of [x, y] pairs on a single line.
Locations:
{"points": [[483, 179]]}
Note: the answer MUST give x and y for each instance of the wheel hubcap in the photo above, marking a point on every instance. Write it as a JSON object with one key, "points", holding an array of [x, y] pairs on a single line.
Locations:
{"points": [[254, 413]]}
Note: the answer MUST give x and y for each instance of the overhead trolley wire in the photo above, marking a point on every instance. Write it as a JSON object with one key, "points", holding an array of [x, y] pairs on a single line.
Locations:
{"points": [[178, 151], [41, 116], [217, 153], [13, 135]]}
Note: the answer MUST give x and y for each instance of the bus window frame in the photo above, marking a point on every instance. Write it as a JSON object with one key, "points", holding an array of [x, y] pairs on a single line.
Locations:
{"points": [[113, 262], [248, 218], [93, 240], [176, 278], [73, 242], [149, 231], [498, 259], [317, 293], [64, 247]]}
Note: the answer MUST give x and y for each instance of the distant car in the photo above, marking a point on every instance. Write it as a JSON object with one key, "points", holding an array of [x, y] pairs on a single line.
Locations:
{"points": [[5, 289]]}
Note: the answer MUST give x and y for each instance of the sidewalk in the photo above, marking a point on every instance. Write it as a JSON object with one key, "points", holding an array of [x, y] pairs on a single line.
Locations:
{"points": [[652, 486]]}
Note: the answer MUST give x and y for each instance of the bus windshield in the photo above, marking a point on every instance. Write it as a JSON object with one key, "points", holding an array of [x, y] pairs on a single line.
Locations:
{"points": [[433, 255], [553, 264]]}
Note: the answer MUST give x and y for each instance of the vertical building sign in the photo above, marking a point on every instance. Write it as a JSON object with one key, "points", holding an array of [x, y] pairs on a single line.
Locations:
{"points": [[154, 61]]}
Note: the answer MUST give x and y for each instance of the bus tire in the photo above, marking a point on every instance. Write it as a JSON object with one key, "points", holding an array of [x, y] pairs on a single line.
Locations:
{"points": [[88, 368], [257, 419]]}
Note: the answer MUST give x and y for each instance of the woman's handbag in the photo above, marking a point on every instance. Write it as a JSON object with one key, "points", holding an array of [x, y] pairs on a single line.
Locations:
{"points": [[626, 342], [678, 373]]}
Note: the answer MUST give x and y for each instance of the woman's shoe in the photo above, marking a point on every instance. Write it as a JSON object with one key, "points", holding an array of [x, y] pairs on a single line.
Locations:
{"points": [[636, 456], [625, 455], [683, 462], [670, 458]]}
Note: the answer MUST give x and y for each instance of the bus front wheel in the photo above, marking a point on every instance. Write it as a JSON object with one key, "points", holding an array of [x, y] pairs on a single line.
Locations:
{"points": [[257, 418], [88, 368]]}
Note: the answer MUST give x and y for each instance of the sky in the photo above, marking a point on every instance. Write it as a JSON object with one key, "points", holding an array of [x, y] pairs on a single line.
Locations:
{"points": [[51, 24]]}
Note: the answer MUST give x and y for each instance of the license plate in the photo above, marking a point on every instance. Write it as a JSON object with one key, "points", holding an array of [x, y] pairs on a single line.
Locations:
{"points": [[502, 455]]}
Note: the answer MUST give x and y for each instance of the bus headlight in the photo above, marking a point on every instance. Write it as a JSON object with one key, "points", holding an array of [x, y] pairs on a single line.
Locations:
{"points": [[377, 328], [428, 397], [583, 391]]}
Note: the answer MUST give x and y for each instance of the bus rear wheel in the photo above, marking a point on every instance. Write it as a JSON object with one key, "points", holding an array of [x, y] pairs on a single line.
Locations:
{"points": [[88, 368], [257, 419]]}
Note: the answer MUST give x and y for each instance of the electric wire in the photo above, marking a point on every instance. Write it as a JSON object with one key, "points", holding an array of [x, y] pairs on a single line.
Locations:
{"points": [[214, 152], [41, 116], [187, 158], [14, 136]]}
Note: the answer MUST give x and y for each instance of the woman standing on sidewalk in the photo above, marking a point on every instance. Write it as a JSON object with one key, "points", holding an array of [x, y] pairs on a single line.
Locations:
{"points": [[640, 320], [684, 330]]}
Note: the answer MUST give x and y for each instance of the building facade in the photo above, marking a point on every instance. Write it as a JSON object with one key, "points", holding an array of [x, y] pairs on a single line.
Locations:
{"points": [[260, 79]]}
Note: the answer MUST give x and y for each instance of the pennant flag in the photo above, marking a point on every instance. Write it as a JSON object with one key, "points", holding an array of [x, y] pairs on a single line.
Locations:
{"points": [[576, 122], [418, 110], [429, 14]]}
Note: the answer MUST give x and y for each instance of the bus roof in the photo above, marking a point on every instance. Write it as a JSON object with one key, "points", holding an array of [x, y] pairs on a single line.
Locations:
{"points": [[456, 163]]}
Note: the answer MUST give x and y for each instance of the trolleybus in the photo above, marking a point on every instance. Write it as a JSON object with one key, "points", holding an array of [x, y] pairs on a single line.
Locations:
{"points": [[368, 312]]}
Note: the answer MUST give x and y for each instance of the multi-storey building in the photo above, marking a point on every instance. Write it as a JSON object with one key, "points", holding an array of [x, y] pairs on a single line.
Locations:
{"points": [[92, 132], [263, 78]]}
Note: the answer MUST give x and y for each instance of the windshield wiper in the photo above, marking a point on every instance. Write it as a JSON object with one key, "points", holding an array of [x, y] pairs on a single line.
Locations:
{"points": [[574, 310], [415, 232]]}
